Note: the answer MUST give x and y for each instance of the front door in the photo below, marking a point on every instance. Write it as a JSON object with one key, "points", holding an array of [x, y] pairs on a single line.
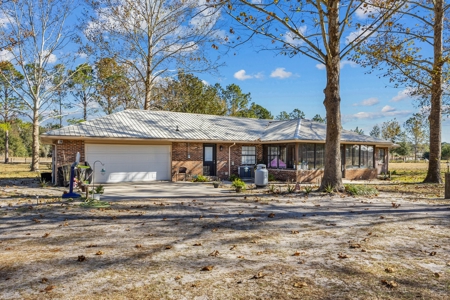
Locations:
{"points": [[343, 160], [209, 159]]}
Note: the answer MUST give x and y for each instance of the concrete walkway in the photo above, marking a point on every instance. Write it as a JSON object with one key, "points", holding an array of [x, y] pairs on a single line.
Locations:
{"points": [[146, 190]]}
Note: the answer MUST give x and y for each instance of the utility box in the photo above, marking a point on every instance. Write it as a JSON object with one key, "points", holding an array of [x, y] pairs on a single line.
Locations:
{"points": [[261, 176], [246, 172]]}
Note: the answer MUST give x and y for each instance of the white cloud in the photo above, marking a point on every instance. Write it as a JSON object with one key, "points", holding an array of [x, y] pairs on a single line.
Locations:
{"points": [[343, 64], [360, 33], [205, 82], [256, 1], [242, 75], [320, 66], [292, 39], [280, 73], [388, 108], [6, 55], [386, 112], [404, 94], [368, 102], [82, 55]]}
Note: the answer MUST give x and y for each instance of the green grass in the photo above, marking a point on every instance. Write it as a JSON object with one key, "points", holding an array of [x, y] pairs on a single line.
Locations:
{"points": [[17, 171], [360, 190], [412, 172]]}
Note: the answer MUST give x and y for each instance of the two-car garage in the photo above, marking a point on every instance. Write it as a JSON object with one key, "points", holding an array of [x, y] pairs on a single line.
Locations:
{"points": [[129, 162]]}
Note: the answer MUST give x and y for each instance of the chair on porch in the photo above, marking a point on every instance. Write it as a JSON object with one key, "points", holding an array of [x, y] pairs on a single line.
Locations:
{"points": [[182, 171]]}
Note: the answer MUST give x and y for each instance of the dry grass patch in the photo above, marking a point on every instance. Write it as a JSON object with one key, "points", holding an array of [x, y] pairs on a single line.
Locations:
{"points": [[322, 248]]}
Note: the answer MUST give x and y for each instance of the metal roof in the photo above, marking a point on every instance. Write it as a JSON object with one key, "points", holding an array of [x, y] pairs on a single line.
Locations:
{"points": [[166, 125]]}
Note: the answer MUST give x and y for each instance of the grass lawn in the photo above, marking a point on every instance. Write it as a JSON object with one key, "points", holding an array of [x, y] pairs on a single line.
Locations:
{"points": [[21, 171], [412, 172], [395, 245]]}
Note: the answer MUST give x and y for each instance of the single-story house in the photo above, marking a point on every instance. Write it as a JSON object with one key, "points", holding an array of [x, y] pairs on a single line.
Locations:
{"points": [[138, 145]]}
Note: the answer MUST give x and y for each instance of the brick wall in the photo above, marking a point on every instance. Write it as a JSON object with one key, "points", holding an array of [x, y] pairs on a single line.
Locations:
{"points": [[67, 151], [361, 174], [194, 163]]}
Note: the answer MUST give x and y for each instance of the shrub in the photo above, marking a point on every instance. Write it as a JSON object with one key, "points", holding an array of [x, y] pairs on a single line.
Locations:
{"points": [[233, 177], [361, 190], [308, 190], [271, 177], [200, 178], [238, 183]]}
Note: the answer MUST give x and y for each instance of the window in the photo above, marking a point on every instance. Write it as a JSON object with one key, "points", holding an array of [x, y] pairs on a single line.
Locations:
{"points": [[366, 156], [351, 156], [311, 156], [320, 154], [276, 157], [248, 155], [381, 155]]}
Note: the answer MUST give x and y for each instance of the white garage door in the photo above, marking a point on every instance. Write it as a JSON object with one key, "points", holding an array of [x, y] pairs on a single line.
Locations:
{"points": [[129, 162]]}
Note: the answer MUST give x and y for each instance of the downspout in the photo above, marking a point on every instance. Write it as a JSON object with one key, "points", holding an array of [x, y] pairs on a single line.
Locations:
{"points": [[229, 159]]}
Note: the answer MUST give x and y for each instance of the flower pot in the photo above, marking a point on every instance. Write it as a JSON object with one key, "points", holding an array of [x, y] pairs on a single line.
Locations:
{"points": [[216, 185], [96, 196], [238, 189]]}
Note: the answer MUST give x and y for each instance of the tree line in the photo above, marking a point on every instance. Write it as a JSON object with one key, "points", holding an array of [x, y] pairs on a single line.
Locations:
{"points": [[135, 48]]}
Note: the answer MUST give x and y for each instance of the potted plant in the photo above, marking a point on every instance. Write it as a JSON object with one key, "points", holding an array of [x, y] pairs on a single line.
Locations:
{"points": [[216, 184], [239, 185]]}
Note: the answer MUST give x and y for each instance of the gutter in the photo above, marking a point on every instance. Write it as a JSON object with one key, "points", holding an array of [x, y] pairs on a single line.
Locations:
{"points": [[229, 159]]}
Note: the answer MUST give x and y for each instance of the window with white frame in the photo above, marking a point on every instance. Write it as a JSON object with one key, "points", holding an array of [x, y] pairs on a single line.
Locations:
{"points": [[248, 155]]}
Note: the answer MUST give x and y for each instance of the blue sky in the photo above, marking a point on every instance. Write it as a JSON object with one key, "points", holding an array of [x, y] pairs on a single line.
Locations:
{"points": [[281, 83]]}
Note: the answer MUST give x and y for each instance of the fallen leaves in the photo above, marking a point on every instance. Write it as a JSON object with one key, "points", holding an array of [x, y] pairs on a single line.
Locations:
{"points": [[81, 258], [433, 253], [198, 244], [355, 246], [214, 253], [300, 284], [342, 255], [46, 235], [271, 215], [296, 254], [390, 284], [168, 247], [233, 247], [295, 232], [138, 246], [207, 268], [395, 205], [259, 275], [49, 288], [99, 253], [389, 270]]}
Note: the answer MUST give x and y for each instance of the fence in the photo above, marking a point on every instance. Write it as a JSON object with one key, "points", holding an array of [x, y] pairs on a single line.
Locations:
{"points": [[27, 160]]}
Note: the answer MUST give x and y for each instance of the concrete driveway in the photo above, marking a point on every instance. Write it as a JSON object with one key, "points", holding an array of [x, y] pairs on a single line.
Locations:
{"points": [[146, 190]]}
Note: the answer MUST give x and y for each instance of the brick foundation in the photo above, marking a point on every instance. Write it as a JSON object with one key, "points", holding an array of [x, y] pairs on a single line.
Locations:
{"points": [[361, 174]]}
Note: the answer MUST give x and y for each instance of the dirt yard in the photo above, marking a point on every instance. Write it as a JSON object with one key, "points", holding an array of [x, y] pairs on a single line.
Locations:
{"points": [[251, 246]]}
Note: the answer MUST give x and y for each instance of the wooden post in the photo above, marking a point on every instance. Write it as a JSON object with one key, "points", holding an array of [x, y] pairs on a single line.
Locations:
{"points": [[447, 185]]}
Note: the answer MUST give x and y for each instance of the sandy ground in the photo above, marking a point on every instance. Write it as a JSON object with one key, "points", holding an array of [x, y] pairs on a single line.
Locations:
{"points": [[250, 246]]}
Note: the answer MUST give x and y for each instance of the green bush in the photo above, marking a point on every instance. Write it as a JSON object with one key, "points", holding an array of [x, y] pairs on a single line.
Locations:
{"points": [[200, 178], [233, 177], [238, 183], [271, 177], [360, 190]]}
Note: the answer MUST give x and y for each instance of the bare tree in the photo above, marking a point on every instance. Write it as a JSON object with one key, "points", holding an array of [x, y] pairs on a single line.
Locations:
{"points": [[402, 50], [152, 38], [325, 31], [40, 26]]}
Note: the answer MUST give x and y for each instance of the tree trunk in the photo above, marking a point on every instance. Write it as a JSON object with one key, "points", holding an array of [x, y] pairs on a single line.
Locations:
{"points": [[434, 163], [85, 104], [6, 146], [332, 174], [35, 145]]}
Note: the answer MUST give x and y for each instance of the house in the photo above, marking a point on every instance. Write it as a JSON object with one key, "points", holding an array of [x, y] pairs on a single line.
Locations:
{"points": [[138, 145]]}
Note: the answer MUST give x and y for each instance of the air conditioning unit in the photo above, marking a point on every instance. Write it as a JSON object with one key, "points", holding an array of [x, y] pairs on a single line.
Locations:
{"points": [[246, 172]]}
